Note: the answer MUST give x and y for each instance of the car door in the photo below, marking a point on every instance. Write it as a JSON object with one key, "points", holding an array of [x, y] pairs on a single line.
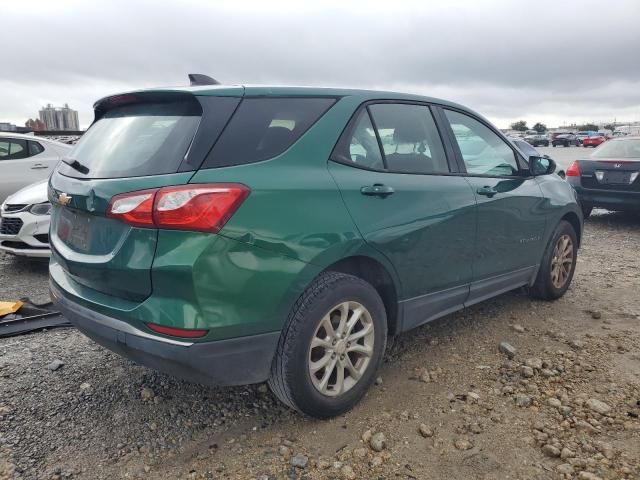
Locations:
{"points": [[510, 207], [392, 169], [15, 167]]}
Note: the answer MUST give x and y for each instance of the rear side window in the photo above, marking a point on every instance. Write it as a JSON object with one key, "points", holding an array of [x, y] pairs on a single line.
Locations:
{"points": [[35, 148], [263, 128], [136, 140], [360, 146]]}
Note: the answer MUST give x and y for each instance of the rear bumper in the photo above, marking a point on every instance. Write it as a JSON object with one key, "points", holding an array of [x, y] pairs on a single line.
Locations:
{"points": [[237, 361], [610, 199]]}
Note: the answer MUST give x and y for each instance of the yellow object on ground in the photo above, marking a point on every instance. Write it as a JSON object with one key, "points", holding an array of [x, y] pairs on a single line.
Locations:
{"points": [[9, 307]]}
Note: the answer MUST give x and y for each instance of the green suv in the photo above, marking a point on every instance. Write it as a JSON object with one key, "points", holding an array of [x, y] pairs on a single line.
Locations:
{"points": [[231, 235]]}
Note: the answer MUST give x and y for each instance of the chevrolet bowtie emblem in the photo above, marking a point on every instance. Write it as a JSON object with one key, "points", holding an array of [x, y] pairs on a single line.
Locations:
{"points": [[64, 199]]}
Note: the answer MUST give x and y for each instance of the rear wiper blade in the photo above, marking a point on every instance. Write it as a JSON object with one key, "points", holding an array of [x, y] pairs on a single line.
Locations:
{"points": [[76, 165]]}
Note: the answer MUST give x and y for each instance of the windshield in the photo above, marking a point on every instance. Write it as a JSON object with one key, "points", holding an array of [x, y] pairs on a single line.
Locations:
{"points": [[618, 149], [136, 140]]}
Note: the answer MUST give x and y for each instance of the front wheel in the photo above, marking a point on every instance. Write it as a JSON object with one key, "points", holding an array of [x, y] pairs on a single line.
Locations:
{"points": [[331, 346], [558, 264]]}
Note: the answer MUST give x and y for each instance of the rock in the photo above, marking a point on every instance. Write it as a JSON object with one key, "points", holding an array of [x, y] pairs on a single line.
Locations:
{"points": [[588, 476], [551, 451], [85, 386], [473, 397], [596, 315], [463, 443], [378, 381], [527, 372], [518, 328], [146, 394], [263, 388], [376, 461], [583, 426], [523, 400], [565, 469], [507, 349], [55, 365], [425, 431], [554, 402], [284, 451], [378, 442], [359, 452], [598, 406], [366, 436], [299, 461], [323, 464], [567, 453], [425, 377], [347, 473], [534, 363], [576, 344], [546, 373]]}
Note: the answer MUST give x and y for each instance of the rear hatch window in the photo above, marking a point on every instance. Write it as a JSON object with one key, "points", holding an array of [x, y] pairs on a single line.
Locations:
{"points": [[135, 140]]}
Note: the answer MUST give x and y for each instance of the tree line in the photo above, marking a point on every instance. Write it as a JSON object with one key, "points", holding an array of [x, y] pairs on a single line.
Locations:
{"points": [[521, 126]]}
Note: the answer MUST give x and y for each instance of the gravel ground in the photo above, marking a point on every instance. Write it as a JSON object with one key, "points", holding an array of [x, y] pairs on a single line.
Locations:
{"points": [[449, 402]]}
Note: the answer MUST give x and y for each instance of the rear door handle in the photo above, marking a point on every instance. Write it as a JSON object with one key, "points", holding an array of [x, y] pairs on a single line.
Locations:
{"points": [[377, 190], [38, 166], [487, 191]]}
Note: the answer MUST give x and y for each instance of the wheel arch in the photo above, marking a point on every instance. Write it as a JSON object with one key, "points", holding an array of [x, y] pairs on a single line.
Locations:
{"points": [[378, 275], [574, 220]]}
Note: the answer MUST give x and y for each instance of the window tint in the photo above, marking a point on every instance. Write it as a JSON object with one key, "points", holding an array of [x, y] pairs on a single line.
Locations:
{"points": [[263, 128], [483, 151], [13, 149], [35, 148], [409, 138], [136, 140], [359, 145]]}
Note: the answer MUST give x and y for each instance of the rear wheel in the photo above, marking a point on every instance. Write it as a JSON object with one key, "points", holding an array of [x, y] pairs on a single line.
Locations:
{"points": [[331, 346], [558, 264]]}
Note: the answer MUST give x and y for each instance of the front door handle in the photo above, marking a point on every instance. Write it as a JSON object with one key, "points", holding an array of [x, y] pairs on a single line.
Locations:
{"points": [[378, 190], [38, 166], [487, 191]]}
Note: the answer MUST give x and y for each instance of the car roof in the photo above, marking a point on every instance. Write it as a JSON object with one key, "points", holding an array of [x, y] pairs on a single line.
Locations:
{"points": [[30, 137], [293, 91]]}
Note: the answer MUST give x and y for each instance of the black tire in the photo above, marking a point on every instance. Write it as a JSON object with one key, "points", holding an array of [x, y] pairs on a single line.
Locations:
{"points": [[290, 378], [553, 145], [544, 288], [586, 211]]}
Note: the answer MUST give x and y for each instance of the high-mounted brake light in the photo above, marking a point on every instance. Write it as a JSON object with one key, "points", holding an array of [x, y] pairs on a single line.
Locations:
{"points": [[201, 208], [573, 170], [178, 332]]}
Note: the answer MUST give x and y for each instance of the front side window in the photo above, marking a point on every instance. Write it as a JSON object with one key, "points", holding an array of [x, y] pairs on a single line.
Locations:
{"points": [[483, 151], [410, 138], [263, 128]]}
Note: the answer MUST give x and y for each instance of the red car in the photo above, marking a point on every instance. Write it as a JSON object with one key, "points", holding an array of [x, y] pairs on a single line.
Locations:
{"points": [[593, 141]]}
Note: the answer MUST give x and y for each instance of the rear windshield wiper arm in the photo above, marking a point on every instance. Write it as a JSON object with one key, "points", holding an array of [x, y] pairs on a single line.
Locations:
{"points": [[76, 165]]}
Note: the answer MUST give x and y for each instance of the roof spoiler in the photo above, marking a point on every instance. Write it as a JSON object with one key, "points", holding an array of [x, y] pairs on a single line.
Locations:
{"points": [[198, 79]]}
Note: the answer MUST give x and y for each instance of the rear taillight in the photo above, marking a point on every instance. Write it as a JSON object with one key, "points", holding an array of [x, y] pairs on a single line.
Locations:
{"points": [[202, 208], [178, 332], [573, 170]]}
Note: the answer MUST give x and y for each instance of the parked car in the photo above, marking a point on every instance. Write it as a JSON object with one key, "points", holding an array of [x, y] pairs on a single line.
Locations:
{"points": [[233, 235], [565, 139], [608, 178], [24, 222], [593, 140], [582, 134], [537, 140], [25, 159]]}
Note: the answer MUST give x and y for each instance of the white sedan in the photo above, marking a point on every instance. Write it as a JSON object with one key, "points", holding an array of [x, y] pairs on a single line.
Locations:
{"points": [[24, 222]]}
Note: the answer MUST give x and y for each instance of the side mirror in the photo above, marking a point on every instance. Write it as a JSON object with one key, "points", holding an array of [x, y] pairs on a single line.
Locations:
{"points": [[541, 165]]}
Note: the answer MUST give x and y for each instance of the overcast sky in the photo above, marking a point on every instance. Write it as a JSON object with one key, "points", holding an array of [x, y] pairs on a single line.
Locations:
{"points": [[550, 61]]}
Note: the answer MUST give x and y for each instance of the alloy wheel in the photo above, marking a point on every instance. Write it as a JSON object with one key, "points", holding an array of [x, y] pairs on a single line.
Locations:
{"points": [[341, 348], [562, 261]]}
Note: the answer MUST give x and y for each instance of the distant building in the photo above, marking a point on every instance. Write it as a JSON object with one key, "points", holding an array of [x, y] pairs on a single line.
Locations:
{"points": [[35, 125], [59, 118], [7, 127]]}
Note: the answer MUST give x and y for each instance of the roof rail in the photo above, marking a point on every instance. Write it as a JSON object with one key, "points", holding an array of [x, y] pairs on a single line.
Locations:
{"points": [[198, 79]]}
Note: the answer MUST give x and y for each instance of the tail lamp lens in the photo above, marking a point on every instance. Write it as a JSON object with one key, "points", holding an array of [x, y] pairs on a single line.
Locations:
{"points": [[203, 208], [178, 332], [573, 170]]}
